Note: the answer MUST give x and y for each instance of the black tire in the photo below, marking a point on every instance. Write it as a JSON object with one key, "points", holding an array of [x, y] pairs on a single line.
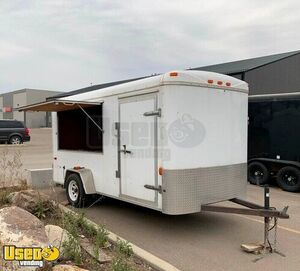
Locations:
{"points": [[288, 178], [75, 191], [15, 140], [258, 173]]}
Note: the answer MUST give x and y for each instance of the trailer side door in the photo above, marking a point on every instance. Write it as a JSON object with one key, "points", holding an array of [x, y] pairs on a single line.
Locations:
{"points": [[138, 151]]}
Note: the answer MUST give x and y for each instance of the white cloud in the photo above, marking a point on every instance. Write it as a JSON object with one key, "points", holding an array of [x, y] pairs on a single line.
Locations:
{"points": [[64, 45], [11, 51]]}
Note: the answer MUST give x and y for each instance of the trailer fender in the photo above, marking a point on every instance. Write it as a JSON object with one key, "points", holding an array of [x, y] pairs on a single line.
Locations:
{"points": [[86, 177], [275, 161]]}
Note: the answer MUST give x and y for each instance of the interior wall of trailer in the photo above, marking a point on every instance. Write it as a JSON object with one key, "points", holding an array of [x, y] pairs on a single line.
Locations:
{"points": [[76, 131]]}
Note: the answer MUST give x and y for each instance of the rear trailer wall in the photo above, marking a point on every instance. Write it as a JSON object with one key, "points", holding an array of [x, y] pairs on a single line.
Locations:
{"points": [[207, 139]]}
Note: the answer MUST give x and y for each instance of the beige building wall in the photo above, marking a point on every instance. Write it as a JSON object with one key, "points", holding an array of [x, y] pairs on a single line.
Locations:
{"points": [[19, 99], [1, 108], [25, 97]]}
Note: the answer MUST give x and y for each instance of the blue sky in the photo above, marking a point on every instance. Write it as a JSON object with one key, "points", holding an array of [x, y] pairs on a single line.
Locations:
{"points": [[65, 45]]}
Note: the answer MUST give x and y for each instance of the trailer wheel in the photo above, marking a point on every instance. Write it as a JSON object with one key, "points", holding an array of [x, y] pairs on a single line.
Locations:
{"points": [[75, 191], [288, 178], [258, 173]]}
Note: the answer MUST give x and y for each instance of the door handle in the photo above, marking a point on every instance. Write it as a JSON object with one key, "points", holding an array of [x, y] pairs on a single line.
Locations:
{"points": [[153, 113], [125, 150], [155, 188]]}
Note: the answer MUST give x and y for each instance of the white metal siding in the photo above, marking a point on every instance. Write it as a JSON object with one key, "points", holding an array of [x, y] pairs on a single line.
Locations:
{"points": [[222, 115], [220, 127]]}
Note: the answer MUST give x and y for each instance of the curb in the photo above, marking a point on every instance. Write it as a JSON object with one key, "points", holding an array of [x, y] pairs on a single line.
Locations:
{"points": [[142, 254], [12, 145]]}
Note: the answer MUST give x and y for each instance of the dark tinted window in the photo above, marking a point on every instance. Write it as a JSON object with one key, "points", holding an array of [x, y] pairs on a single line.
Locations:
{"points": [[2, 124], [11, 124], [77, 132]]}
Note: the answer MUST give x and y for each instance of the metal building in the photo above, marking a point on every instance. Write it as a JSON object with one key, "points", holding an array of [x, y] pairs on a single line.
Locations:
{"points": [[273, 74], [12, 100]]}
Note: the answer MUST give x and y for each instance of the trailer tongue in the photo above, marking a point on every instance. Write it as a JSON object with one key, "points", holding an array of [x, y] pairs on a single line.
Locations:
{"points": [[253, 209]]}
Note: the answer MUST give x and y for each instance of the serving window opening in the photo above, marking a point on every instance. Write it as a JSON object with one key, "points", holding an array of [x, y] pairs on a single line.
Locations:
{"points": [[79, 129]]}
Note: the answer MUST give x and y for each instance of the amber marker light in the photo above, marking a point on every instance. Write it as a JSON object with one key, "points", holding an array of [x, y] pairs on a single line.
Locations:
{"points": [[161, 171], [173, 74]]}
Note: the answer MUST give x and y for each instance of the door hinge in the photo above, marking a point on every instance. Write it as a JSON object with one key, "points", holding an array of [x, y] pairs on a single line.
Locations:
{"points": [[118, 175], [152, 187], [153, 113]]}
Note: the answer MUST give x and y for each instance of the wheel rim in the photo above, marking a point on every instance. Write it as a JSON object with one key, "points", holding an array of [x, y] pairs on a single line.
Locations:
{"points": [[73, 190], [15, 140], [257, 174], [290, 178]]}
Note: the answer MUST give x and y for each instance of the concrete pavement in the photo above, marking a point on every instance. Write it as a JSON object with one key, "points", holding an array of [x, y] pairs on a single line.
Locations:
{"points": [[37, 153], [203, 241]]}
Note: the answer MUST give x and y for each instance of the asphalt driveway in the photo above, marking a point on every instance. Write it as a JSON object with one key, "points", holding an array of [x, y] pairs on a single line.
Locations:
{"points": [[203, 241]]}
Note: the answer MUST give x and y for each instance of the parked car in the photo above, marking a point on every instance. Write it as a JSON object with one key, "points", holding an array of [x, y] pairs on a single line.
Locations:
{"points": [[13, 132]]}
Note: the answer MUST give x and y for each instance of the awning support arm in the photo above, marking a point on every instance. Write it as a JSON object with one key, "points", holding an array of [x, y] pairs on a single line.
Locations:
{"points": [[90, 118]]}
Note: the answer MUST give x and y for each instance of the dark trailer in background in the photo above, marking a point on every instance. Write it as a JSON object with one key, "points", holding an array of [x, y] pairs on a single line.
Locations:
{"points": [[274, 140], [274, 90]]}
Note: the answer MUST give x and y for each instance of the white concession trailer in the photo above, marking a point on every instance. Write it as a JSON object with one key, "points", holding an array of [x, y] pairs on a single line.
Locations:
{"points": [[172, 142]]}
